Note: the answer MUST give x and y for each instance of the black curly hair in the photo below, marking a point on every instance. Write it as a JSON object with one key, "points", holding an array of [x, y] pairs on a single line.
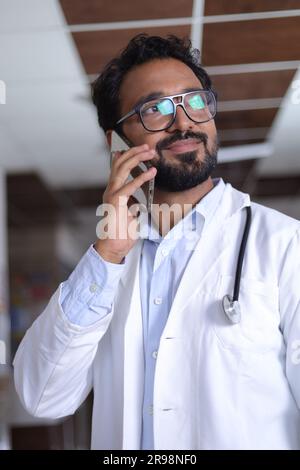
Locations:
{"points": [[141, 48]]}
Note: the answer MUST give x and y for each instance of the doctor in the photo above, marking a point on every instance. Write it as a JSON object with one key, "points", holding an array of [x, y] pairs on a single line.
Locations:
{"points": [[142, 321]]}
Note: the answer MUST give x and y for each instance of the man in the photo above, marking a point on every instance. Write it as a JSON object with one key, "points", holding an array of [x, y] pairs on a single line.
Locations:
{"points": [[142, 320]]}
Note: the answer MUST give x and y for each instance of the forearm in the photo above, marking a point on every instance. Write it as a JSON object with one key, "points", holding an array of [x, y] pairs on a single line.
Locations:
{"points": [[53, 365]]}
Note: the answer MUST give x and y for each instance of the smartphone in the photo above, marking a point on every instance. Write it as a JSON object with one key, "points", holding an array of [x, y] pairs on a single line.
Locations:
{"points": [[144, 194]]}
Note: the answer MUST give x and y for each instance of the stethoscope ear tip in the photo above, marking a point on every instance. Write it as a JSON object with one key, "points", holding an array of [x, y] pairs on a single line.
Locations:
{"points": [[232, 309]]}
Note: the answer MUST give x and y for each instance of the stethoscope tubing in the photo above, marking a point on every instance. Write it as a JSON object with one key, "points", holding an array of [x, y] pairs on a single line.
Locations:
{"points": [[230, 304], [236, 290]]}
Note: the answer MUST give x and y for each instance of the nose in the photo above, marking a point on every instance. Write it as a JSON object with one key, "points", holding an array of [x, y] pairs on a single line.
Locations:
{"points": [[182, 122]]}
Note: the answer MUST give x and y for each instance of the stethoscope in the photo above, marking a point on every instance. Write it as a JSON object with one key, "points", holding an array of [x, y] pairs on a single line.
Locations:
{"points": [[231, 306]]}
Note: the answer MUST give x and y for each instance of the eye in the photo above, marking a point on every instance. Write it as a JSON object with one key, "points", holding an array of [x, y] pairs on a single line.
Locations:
{"points": [[196, 102], [158, 108], [165, 107], [150, 108]]}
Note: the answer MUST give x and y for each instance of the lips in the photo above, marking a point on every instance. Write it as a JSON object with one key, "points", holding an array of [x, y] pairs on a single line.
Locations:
{"points": [[186, 145]]}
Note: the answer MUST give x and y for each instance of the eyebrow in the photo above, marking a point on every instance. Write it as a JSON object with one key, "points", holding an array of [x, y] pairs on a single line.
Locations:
{"points": [[159, 94]]}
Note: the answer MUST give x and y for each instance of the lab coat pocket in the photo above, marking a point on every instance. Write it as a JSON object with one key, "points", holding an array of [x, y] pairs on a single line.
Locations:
{"points": [[258, 330]]}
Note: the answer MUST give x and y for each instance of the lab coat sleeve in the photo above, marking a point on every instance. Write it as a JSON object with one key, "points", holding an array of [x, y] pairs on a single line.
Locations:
{"points": [[289, 288], [53, 364]]}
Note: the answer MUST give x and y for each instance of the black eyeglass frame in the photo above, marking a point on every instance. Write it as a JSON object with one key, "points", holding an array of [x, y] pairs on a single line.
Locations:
{"points": [[137, 109]]}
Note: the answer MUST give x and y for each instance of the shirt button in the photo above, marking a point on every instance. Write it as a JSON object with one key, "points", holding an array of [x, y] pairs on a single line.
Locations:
{"points": [[151, 410], [158, 300], [164, 252], [154, 354], [93, 288]]}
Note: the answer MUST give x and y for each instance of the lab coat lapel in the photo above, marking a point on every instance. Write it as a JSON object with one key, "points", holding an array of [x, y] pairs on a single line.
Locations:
{"points": [[133, 350], [209, 250]]}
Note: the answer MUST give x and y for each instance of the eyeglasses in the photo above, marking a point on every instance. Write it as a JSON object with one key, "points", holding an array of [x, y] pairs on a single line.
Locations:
{"points": [[160, 113]]}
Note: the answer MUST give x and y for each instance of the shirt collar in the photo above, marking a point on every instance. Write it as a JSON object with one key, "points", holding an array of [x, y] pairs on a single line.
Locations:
{"points": [[207, 206], [201, 214]]}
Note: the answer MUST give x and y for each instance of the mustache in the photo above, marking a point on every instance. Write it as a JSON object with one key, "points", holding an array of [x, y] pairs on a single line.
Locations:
{"points": [[163, 144]]}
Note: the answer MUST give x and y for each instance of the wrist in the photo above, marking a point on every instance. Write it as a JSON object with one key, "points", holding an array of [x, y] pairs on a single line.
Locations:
{"points": [[108, 255]]}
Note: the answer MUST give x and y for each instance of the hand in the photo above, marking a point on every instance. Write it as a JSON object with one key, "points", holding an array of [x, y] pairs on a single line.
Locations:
{"points": [[122, 221]]}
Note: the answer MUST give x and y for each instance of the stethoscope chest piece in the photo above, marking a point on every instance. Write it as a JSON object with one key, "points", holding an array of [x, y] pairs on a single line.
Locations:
{"points": [[232, 309], [231, 305]]}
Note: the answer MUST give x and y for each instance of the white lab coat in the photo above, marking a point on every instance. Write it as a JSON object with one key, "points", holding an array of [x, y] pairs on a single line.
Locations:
{"points": [[217, 385]]}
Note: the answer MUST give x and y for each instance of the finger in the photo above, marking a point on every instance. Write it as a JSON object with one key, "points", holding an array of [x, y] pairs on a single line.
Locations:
{"points": [[130, 188], [118, 177], [115, 155], [129, 164], [124, 155]]}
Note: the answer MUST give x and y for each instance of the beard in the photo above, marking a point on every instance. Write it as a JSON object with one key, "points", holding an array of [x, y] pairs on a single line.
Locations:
{"points": [[188, 171]]}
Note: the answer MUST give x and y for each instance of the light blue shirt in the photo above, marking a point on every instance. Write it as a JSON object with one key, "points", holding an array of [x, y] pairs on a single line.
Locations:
{"points": [[163, 261]]}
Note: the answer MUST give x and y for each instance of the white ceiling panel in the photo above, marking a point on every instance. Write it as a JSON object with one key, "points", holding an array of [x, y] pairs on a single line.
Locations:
{"points": [[27, 15], [42, 56], [285, 136]]}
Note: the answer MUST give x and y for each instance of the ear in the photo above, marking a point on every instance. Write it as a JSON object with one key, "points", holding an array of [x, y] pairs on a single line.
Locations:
{"points": [[108, 137]]}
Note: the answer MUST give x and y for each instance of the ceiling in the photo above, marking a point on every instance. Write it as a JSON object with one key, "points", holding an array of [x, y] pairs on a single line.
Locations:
{"points": [[51, 50], [250, 48]]}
